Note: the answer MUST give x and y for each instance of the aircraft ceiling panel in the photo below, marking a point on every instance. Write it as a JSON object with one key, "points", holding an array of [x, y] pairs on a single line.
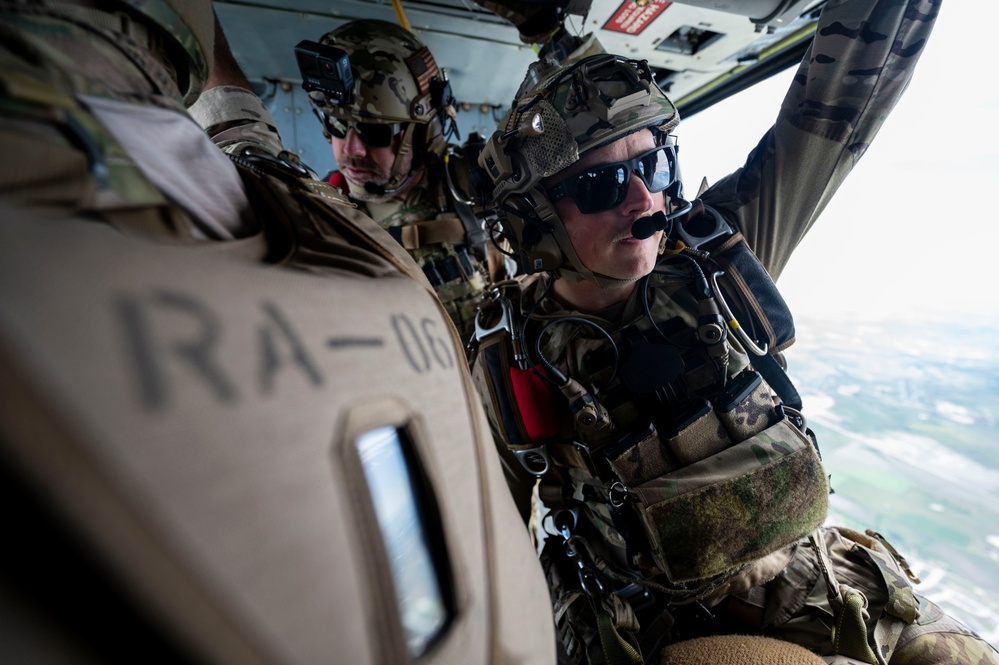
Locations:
{"points": [[697, 52], [483, 54], [695, 46]]}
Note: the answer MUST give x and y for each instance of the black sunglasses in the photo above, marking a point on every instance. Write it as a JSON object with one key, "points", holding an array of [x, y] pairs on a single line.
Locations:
{"points": [[372, 134], [605, 186]]}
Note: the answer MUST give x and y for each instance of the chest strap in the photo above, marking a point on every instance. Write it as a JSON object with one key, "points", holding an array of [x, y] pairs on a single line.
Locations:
{"points": [[431, 232]]}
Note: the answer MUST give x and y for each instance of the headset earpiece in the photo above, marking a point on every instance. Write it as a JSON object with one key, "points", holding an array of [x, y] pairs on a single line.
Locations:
{"points": [[537, 248]]}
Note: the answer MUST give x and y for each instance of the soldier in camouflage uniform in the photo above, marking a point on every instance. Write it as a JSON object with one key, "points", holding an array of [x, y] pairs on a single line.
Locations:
{"points": [[636, 378], [389, 143]]}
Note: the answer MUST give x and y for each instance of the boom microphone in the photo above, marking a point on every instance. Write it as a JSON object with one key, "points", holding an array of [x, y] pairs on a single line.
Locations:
{"points": [[380, 190], [646, 227]]}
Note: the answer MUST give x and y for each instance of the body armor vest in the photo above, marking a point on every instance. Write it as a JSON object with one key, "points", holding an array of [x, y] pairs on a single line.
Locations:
{"points": [[445, 238], [660, 427]]}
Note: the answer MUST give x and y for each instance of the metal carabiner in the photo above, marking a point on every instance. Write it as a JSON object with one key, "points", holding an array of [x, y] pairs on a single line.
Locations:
{"points": [[505, 321], [733, 323]]}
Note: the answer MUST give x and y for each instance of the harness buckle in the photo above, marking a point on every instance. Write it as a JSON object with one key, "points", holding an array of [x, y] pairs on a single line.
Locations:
{"points": [[535, 461], [504, 324], [505, 321]]}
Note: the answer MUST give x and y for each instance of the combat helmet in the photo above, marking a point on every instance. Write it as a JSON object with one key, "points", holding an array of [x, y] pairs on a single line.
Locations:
{"points": [[560, 113], [396, 80]]}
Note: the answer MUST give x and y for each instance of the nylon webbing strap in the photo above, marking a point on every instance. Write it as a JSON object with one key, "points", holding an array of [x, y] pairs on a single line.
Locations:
{"points": [[850, 631], [777, 379], [567, 455], [850, 636], [432, 232], [130, 36], [618, 648]]}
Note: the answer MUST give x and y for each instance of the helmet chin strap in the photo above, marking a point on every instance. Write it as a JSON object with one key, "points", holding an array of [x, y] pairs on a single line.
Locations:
{"points": [[397, 180]]}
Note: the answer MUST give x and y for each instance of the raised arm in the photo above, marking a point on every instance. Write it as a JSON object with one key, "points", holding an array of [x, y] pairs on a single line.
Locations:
{"points": [[228, 109], [859, 63]]}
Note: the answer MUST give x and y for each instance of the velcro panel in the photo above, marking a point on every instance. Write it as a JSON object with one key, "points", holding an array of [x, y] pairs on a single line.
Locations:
{"points": [[736, 506], [421, 64]]}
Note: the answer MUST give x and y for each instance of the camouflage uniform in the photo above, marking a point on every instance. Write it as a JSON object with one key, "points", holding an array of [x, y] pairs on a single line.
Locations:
{"points": [[457, 274], [395, 76], [235, 119], [707, 521], [58, 81]]}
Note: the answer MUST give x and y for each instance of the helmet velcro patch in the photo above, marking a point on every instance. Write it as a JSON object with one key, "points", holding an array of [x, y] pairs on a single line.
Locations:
{"points": [[421, 64], [552, 150]]}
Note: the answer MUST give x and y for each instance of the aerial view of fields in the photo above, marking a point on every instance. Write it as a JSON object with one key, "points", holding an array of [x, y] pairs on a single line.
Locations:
{"points": [[907, 417]]}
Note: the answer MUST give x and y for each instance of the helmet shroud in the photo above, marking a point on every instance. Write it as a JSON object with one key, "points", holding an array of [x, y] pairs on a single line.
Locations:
{"points": [[559, 114]]}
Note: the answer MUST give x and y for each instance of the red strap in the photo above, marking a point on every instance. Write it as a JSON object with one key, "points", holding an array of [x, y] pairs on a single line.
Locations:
{"points": [[535, 403]]}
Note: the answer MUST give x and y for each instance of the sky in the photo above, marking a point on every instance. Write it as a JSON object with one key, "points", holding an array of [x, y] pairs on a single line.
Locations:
{"points": [[912, 233]]}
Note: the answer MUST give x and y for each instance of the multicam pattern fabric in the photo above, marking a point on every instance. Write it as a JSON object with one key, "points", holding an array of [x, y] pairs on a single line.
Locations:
{"points": [[179, 32], [575, 116], [798, 608], [235, 119], [937, 638], [41, 109], [342, 272], [191, 24], [561, 112], [846, 86], [459, 278], [751, 414], [708, 503], [392, 69], [385, 88], [735, 507]]}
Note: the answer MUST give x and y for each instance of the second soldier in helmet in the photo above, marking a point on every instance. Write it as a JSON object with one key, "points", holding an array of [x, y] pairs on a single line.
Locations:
{"points": [[389, 139]]}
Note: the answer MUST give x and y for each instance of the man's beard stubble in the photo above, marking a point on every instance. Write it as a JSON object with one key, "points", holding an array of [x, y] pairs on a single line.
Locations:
{"points": [[357, 189]]}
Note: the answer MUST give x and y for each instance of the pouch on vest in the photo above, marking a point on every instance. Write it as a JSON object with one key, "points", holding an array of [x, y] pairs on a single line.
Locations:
{"points": [[736, 506], [521, 398], [747, 289]]}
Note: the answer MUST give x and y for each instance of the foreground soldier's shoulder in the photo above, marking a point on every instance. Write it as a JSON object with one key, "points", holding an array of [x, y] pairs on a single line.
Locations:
{"points": [[202, 421]]}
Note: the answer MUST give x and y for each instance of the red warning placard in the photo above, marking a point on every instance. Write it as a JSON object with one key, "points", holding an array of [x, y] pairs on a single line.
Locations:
{"points": [[632, 19]]}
